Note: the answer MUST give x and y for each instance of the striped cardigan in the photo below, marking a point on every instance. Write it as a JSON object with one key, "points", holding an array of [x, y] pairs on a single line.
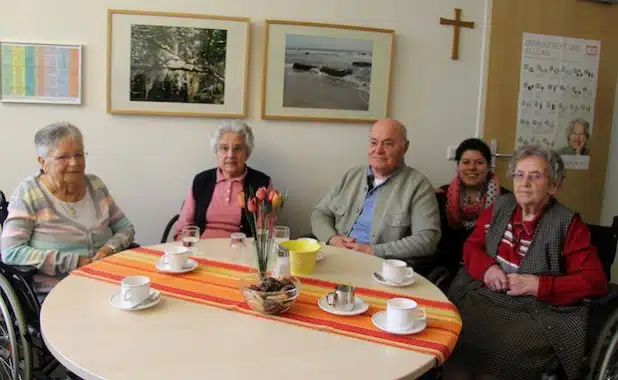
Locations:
{"points": [[35, 233]]}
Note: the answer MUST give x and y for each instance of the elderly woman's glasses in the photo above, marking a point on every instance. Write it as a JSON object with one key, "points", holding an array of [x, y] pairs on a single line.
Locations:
{"points": [[67, 157], [532, 177], [226, 148]]}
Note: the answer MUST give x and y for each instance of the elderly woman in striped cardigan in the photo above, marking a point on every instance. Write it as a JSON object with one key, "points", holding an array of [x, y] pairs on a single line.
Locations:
{"points": [[62, 218]]}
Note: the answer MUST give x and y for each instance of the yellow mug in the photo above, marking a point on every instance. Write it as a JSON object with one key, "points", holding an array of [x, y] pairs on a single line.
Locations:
{"points": [[303, 255]]}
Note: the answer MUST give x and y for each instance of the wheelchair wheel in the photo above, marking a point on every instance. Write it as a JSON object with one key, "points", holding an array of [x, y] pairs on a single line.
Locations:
{"points": [[604, 363], [15, 349]]}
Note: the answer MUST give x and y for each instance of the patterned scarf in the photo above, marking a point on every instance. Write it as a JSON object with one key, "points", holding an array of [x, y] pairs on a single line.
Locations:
{"points": [[460, 213]]}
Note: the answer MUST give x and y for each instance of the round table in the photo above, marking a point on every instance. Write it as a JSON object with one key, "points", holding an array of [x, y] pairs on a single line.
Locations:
{"points": [[178, 339]]}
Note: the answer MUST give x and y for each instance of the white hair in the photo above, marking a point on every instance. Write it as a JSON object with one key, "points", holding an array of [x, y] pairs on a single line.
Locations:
{"points": [[48, 137], [555, 165], [235, 126]]}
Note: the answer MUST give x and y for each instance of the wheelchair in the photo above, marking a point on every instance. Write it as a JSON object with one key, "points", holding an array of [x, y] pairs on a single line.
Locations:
{"points": [[23, 354]]}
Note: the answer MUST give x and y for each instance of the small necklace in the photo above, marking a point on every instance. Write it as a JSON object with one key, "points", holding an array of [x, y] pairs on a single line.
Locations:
{"points": [[71, 209]]}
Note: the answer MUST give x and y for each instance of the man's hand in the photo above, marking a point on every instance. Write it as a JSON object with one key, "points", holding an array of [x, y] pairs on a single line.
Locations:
{"points": [[340, 241], [523, 284], [495, 279], [360, 247]]}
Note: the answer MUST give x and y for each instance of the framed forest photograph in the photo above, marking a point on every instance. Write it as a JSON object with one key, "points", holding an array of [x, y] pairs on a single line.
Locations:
{"points": [[326, 72], [176, 64]]}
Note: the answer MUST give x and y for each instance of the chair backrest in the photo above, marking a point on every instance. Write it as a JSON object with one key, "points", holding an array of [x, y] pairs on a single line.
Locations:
{"points": [[605, 239], [168, 228], [4, 208]]}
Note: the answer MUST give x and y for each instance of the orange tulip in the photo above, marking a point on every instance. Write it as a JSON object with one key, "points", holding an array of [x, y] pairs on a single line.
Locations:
{"points": [[252, 205], [261, 194], [241, 200]]}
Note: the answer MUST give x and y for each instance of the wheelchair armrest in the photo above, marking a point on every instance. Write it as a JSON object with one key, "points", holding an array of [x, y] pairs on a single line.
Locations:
{"points": [[26, 271], [610, 297]]}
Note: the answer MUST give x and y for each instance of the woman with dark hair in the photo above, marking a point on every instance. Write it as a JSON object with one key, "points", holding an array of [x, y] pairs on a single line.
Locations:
{"points": [[473, 189]]}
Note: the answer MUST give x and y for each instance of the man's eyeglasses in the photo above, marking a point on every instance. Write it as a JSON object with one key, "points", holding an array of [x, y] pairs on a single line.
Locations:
{"points": [[64, 158]]}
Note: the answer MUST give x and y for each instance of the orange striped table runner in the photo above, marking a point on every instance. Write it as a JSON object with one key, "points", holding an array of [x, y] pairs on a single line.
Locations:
{"points": [[215, 284]]}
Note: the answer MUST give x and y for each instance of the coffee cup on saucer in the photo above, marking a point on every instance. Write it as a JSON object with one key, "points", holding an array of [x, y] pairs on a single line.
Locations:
{"points": [[134, 289], [396, 271], [175, 257], [342, 298], [404, 314]]}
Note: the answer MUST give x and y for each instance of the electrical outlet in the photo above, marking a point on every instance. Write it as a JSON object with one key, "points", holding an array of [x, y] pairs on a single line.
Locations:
{"points": [[450, 152]]}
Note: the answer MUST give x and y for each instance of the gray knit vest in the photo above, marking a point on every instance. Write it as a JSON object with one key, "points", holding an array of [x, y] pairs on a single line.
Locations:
{"points": [[544, 255]]}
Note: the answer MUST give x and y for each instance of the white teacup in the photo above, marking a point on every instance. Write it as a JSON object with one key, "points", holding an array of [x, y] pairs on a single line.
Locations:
{"points": [[175, 258], [134, 289], [404, 314], [396, 271]]}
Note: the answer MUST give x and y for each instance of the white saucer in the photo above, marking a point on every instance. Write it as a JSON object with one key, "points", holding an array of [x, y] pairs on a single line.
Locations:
{"points": [[189, 266], [360, 306], [408, 281], [320, 256], [119, 304], [379, 320]]}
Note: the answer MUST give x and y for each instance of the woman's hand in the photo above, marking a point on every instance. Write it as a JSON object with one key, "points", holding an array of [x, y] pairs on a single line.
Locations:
{"points": [[523, 284], [103, 252], [83, 261], [495, 279]]}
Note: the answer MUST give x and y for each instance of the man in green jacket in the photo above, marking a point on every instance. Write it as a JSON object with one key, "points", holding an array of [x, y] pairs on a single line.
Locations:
{"points": [[386, 209]]}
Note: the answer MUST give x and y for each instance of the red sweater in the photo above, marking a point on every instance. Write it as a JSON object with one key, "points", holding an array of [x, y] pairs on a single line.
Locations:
{"points": [[584, 273]]}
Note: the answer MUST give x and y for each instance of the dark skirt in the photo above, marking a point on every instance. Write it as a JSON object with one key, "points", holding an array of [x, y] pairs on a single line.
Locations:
{"points": [[500, 340]]}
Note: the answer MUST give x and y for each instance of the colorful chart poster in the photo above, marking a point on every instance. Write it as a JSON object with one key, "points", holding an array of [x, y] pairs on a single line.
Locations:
{"points": [[558, 86], [40, 73]]}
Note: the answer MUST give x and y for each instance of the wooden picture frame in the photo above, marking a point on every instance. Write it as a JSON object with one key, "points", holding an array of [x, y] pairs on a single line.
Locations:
{"points": [[326, 72], [40, 73], [177, 64]]}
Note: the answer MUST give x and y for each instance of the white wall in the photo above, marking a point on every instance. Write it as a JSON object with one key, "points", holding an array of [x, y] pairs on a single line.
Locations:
{"points": [[149, 162]]}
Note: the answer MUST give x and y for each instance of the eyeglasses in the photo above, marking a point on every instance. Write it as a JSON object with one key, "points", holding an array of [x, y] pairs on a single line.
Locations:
{"points": [[532, 177], [65, 158], [226, 148]]}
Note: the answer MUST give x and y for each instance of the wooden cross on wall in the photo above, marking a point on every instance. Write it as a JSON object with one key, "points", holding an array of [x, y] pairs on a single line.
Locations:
{"points": [[457, 23]]}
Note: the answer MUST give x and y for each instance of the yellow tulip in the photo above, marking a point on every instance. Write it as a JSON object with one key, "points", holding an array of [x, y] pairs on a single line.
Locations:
{"points": [[276, 200]]}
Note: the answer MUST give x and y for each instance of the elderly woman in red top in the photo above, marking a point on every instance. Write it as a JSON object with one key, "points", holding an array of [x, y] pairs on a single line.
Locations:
{"points": [[528, 264], [212, 200]]}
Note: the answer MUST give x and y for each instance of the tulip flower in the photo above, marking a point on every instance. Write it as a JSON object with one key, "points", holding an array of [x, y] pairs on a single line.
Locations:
{"points": [[261, 194], [277, 200], [252, 205], [271, 195]]}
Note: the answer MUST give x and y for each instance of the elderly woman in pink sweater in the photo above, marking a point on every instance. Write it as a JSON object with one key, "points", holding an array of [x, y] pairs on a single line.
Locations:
{"points": [[212, 199]]}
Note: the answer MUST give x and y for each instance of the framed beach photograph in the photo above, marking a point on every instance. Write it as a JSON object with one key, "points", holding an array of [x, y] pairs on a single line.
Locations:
{"points": [[326, 72], [40, 73], [177, 64]]}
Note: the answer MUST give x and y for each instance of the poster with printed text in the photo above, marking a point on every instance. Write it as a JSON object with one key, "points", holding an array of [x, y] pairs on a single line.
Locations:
{"points": [[40, 73], [558, 85]]}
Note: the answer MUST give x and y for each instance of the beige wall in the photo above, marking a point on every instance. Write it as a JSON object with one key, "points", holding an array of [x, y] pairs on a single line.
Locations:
{"points": [[149, 162], [610, 198]]}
